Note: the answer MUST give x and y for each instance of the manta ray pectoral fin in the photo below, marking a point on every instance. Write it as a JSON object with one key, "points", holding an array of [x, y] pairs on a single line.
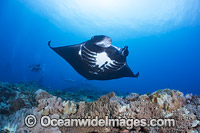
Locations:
{"points": [[136, 75], [69, 53], [49, 44]]}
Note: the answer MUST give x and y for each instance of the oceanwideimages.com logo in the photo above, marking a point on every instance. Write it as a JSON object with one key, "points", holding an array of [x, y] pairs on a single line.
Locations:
{"points": [[46, 121]]}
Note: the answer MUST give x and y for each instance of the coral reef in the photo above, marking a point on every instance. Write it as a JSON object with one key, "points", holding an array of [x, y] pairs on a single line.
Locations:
{"points": [[13, 97], [17, 102], [132, 97], [70, 107], [168, 100], [79, 93]]}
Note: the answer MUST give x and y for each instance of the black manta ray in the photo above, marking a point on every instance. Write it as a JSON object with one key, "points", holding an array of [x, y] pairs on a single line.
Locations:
{"points": [[97, 59]]}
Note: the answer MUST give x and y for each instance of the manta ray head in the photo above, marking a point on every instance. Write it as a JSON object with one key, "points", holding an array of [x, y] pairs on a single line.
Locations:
{"points": [[124, 51], [101, 40]]}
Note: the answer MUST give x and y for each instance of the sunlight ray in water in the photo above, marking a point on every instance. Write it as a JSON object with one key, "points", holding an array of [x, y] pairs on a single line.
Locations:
{"points": [[135, 16]]}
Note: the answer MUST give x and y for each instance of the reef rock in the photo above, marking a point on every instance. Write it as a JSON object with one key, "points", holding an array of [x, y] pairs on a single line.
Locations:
{"points": [[168, 100], [132, 97], [14, 97], [42, 94]]}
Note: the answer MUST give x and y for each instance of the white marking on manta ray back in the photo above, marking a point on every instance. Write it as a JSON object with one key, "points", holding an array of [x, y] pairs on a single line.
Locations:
{"points": [[102, 58], [117, 48], [99, 60], [79, 52], [106, 42]]}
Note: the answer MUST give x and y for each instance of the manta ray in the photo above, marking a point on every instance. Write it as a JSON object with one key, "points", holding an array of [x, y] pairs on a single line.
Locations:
{"points": [[97, 59]]}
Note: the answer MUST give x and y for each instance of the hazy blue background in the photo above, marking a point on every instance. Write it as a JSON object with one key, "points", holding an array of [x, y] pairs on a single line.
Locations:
{"points": [[163, 39]]}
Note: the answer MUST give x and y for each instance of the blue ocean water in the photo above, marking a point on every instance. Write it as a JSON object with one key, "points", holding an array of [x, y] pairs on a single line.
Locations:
{"points": [[165, 50]]}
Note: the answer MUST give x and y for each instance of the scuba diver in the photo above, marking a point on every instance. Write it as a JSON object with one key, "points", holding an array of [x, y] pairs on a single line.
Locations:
{"points": [[35, 67]]}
